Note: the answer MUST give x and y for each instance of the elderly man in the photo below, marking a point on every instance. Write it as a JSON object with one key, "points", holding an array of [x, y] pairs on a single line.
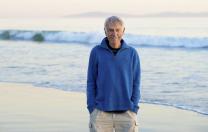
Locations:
{"points": [[113, 82]]}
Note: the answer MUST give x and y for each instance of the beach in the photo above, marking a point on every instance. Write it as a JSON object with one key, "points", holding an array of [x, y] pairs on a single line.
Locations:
{"points": [[45, 54], [26, 108]]}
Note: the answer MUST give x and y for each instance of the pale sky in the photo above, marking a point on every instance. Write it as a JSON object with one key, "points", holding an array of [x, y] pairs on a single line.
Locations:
{"points": [[55, 8]]}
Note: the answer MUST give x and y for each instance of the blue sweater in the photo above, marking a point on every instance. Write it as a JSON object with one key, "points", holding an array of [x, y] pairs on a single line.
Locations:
{"points": [[113, 81]]}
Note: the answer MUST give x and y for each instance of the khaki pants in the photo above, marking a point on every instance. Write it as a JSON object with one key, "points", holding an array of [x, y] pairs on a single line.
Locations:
{"points": [[113, 122]]}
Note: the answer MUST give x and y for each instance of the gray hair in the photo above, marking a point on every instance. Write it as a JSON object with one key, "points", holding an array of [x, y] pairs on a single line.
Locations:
{"points": [[113, 19]]}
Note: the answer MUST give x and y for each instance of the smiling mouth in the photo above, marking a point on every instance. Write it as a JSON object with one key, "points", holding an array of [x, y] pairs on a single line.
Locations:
{"points": [[114, 37]]}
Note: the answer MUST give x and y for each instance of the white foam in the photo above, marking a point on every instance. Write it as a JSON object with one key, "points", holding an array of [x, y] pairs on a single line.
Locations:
{"points": [[95, 38]]}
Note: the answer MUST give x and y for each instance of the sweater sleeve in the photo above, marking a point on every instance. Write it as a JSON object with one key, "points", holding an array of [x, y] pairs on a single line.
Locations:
{"points": [[91, 80], [136, 81]]}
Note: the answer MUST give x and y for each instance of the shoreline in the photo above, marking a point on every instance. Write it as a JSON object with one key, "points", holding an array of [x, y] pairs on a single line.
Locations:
{"points": [[24, 108], [81, 92], [176, 107]]}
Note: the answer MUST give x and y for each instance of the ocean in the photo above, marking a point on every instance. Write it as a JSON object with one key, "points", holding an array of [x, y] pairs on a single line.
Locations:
{"points": [[54, 52]]}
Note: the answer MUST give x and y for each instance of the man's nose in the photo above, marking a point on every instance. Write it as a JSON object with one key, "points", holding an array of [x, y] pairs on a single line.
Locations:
{"points": [[114, 32]]}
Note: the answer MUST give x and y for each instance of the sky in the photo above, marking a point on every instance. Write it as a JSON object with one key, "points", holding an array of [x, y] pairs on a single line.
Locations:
{"points": [[57, 8]]}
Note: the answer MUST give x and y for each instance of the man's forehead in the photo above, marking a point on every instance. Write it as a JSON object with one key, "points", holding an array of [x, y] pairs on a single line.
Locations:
{"points": [[114, 25]]}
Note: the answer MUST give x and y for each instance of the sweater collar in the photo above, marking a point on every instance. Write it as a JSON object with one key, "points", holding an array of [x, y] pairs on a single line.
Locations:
{"points": [[105, 41]]}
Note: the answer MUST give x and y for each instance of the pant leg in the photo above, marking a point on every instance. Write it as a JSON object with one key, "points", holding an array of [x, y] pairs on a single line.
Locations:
{"points": [[101, 121], [126, 122]]}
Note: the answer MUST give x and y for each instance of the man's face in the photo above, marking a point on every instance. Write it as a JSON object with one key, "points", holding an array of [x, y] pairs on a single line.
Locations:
{"points": [[114, 32]]}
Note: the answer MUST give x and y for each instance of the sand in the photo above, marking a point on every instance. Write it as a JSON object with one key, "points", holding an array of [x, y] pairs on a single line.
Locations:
{"points": [[25, 108]]}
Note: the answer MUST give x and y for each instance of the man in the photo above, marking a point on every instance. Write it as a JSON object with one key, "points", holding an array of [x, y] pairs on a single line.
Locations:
{"points": [[113, 82]]}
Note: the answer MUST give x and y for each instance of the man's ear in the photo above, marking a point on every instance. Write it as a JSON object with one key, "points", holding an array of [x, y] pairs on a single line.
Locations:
{"points": [[105, 31], [124, 30]]}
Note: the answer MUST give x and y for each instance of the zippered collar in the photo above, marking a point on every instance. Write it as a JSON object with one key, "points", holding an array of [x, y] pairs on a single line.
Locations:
{"points": [[105, 41]]}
